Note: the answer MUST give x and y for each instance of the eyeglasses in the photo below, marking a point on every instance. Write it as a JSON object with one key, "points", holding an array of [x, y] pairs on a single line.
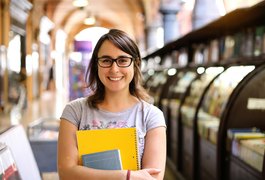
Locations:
{"points": [[122, 61]]}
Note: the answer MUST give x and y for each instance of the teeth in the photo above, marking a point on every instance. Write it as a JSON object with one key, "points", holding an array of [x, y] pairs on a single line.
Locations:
{"points": [[115, 79]]}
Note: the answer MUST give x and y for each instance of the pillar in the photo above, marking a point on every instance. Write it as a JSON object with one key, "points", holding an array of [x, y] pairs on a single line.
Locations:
{"points": [[169, 10], [205, 11]]}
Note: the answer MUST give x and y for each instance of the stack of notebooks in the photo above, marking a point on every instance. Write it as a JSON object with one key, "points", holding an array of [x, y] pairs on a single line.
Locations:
{"points": [[248, 145], [109, 149]]}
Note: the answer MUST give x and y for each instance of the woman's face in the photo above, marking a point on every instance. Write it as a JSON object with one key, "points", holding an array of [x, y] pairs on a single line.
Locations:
{"points": [[114, 78]]}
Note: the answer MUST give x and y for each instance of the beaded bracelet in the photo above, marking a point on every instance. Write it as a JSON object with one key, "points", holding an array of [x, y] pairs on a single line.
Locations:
{"points": [[128, 175]]}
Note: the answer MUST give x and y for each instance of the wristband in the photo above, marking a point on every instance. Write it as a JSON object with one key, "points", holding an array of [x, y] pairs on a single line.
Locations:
{"points": [[128, 175]]}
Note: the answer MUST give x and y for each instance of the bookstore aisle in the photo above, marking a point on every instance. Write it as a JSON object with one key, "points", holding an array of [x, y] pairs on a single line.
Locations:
{"points": [[50, 105]]}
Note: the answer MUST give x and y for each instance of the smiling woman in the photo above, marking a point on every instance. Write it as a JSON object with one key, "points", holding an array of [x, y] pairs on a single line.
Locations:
{"points": [[115, 44], [116, 77], [118, 101]]}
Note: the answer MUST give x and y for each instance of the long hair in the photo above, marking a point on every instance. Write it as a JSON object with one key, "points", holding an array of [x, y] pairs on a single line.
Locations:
{"points": [[122, 41]]}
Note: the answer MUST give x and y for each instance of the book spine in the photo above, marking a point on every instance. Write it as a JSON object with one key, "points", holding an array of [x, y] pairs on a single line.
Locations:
{"points": [[213, 132], [235, 135]]}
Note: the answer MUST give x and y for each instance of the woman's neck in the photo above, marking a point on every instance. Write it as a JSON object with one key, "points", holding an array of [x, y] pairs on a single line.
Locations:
{"points": [[118, 102]]}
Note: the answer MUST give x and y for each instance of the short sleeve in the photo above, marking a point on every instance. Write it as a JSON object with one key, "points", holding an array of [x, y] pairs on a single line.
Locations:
{"points": [[154, 118], [72, 112]]}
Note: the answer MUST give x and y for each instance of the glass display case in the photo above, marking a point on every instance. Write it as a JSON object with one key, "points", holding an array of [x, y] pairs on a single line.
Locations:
{"points": [[209, 115], [188, 113], [176, 94], [245, 111]]}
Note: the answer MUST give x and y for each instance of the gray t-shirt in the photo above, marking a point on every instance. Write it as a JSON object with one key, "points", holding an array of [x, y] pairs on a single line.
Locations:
{"points": [[143, 116]]}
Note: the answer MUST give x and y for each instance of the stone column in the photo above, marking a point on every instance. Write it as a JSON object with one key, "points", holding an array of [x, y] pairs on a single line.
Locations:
{"points": [[205, 11], [169, 10]]}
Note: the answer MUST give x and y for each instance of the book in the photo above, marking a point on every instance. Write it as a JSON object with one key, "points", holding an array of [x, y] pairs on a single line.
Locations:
{"points": [[213, 134], [229, 45], [249, 42], [245, 135], [252, 152], [124, 139], [106, 160], [256, 145], [238, 44], [239, 136], [231, 132], [214, 51]]}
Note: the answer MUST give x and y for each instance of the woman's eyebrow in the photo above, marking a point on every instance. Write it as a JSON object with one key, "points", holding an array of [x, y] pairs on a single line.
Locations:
{"points": [[107, 56]]}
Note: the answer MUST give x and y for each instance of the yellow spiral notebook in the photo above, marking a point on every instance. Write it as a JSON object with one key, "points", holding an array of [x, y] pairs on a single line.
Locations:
{"points": [[124, 139]]}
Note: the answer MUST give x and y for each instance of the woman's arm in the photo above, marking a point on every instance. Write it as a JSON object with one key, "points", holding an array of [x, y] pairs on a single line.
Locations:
{"points": [[69, 168], [155, 151]]}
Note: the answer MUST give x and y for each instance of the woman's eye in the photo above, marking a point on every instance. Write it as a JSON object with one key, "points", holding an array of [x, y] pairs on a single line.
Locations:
{"points": [[106, 60], [123, 60]]}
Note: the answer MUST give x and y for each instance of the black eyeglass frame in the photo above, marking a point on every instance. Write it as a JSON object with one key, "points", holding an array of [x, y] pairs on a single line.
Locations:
{"points": [[114, 60]]}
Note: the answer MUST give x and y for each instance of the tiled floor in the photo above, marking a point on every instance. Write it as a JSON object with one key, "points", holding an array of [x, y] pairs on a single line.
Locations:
{"points": [[50, 105]]}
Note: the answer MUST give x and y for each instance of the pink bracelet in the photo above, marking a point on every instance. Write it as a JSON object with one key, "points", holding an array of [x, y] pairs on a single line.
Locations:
{"points": [[128, 175]]}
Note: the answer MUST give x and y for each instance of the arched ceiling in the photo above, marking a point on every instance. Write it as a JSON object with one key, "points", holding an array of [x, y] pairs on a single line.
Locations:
{"points": [[132, 16], [128, 15]]}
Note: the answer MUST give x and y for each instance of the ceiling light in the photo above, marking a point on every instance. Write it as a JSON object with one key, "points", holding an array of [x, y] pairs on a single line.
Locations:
{"points": [[90, 20], [80, 3]]}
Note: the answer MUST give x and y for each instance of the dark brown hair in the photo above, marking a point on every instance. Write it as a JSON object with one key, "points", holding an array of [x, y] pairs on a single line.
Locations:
{"points": [[122, 41]]}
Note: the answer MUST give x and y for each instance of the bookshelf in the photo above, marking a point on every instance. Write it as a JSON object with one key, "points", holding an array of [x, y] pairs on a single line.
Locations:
{"points": [[240, 114], [235, 42]]}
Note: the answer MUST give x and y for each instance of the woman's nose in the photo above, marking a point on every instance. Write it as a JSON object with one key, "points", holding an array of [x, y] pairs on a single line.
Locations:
{"points": [[114, 66]]}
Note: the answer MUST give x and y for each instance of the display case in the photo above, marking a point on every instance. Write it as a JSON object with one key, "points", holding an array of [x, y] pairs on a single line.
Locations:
{"points": [[209, 117], [164, 99], [19, 157], [176, 94], [245, 110], [43, 138], [236, 42], [188, 114]]}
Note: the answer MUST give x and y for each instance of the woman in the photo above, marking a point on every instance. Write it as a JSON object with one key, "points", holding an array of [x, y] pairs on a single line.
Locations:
{"points": [[118, 100]]}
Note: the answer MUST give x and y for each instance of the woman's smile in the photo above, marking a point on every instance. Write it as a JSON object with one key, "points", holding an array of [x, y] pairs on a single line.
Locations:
{"points": [[115, 78]]}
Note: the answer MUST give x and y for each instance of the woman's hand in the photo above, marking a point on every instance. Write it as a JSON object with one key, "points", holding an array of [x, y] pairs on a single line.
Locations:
{"points": [[144, 174]]}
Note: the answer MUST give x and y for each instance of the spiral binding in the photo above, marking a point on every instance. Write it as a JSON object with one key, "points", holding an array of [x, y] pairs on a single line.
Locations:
{"points": [[137, 150]]}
